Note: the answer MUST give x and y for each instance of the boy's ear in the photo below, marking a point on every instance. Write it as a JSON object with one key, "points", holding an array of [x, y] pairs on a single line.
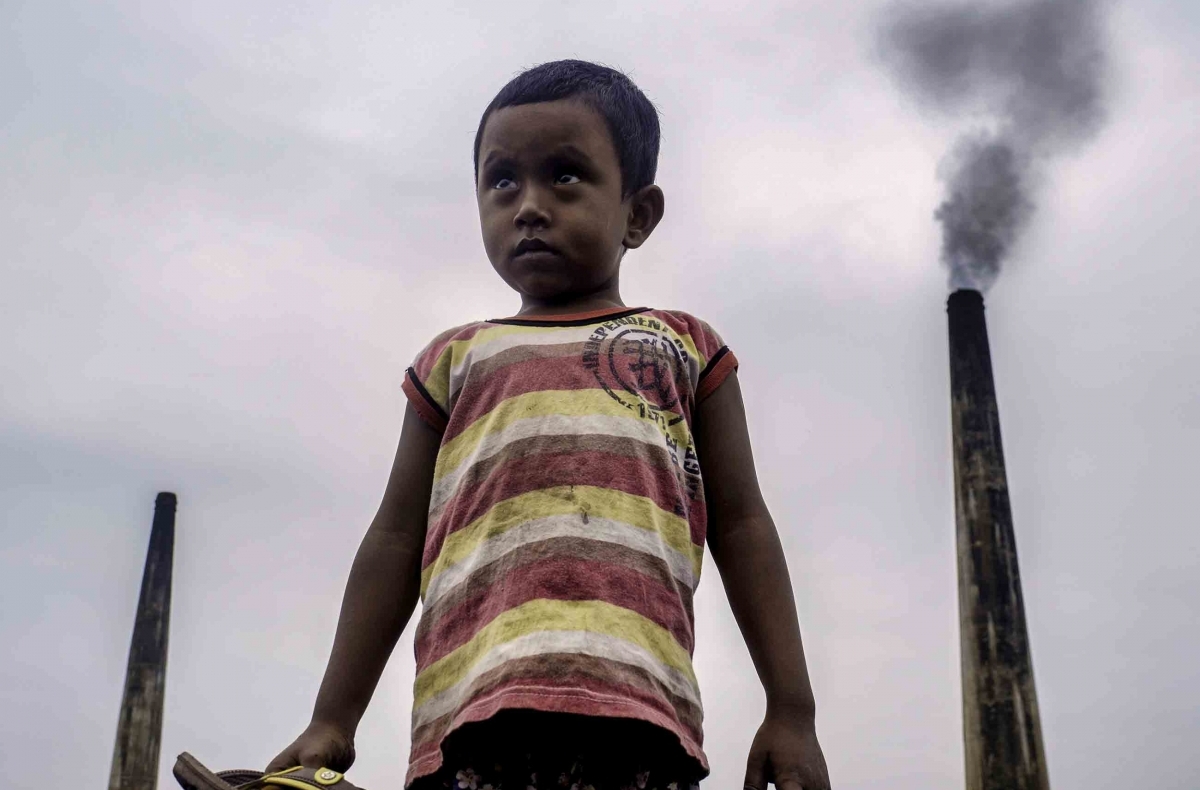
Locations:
{"points": [[645, 212]]}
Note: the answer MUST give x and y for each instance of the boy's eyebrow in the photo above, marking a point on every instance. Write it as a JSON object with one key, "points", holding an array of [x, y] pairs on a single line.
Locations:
{"points": [[494, 155], [566, 149], [571, 151]]}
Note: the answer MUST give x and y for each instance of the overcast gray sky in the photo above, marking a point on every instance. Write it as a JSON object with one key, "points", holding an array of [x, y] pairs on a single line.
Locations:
{"points": [[227, 227]]}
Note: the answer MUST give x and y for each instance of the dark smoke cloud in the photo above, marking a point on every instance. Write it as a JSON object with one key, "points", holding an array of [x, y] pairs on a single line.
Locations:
{"points": [[1030, 74]]}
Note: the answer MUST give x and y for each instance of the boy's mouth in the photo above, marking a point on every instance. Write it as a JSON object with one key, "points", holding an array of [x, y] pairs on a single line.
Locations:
{"points": [[528, 246]]}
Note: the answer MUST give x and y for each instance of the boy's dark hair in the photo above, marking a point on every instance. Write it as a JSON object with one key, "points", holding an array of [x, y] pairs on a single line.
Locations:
{"points": [[632, 120]]}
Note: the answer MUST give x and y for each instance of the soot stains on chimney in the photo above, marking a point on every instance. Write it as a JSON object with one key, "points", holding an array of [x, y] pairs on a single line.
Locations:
{"points": [[1001, 724]]}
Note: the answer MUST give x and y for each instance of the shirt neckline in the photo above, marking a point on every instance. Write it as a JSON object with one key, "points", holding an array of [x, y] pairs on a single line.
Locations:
{"points": [[570, 319]]}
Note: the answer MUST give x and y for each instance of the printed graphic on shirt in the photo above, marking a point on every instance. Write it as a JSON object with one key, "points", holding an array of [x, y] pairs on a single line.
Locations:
{"points": [[639, 364], [643, 366]]}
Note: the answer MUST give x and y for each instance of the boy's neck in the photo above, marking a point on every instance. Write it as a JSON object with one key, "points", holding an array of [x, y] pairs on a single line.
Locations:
{"points": [[601, 300]]}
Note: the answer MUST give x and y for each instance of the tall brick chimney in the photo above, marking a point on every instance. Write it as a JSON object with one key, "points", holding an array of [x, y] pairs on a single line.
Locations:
{"points": [[1001, 726], [139, 730]]}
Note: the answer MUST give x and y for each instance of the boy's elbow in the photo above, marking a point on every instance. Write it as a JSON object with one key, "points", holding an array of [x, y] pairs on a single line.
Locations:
{"points": [[749, 524]]}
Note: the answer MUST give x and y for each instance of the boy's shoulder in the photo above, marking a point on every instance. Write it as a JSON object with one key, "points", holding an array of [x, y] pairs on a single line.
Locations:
{"points": [[682, 317], [706, 339], [460, 332], [446, 337]]}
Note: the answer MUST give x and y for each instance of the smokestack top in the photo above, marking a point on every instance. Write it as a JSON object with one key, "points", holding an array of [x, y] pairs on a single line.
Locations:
{"points": [[961, 299], [970, 357], [165, 500], [967, 324]]}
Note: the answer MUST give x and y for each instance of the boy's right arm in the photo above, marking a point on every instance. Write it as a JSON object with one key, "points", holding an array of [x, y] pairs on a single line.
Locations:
{"points": [[381, 594]]}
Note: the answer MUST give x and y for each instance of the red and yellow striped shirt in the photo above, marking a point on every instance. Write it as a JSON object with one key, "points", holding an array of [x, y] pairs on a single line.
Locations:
{"points": [[566, 521]]}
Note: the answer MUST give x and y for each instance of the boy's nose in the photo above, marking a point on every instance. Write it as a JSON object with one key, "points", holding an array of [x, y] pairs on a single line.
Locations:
{"points": [[533, 210]]}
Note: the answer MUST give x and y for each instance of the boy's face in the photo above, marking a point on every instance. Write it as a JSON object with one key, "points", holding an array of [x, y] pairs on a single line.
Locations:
{"points": [[554, 222]]}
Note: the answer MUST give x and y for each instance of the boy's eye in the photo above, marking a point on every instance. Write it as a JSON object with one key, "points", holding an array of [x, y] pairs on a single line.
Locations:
{"points": [[504, 183], [566, 179]]}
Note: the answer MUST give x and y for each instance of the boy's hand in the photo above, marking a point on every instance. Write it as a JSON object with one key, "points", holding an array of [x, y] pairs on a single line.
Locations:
{"points": [[319, 746], [785, 752]]}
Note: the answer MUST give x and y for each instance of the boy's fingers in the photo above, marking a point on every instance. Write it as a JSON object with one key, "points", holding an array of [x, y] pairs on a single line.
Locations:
{"points": [[755, 772], [806, 777]]}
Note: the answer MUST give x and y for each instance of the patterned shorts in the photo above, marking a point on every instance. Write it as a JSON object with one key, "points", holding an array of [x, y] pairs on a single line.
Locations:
{"points": [[529, 773], [531, 750]]}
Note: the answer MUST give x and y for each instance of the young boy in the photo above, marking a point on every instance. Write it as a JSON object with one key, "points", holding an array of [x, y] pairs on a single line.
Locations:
{"points": [[557, 476]]}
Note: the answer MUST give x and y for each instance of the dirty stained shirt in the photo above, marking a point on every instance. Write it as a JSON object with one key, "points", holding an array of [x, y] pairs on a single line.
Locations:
{"points": [[566, 521]]}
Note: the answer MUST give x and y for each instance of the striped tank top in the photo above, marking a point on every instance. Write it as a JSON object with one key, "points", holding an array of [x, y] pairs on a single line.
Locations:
{"points": [[566, 522]]}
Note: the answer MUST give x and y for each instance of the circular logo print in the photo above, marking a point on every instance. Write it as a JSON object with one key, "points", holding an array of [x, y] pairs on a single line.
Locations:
{"points": [[640, 367]]}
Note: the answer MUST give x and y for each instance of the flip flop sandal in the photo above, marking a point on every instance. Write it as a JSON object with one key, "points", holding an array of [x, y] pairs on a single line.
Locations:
{"points": [[191, 775]]}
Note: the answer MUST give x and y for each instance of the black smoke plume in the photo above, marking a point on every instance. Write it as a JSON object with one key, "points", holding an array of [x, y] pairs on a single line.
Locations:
{"points": [[1029, 75]]}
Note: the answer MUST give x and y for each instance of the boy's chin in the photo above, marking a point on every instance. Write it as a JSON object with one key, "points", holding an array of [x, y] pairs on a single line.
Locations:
{"points": [[547, 289], [552, 287]]}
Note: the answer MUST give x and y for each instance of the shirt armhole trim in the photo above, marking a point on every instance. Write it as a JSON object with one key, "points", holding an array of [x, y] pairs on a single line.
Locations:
{"points": [[715, 372], [424, 404]]}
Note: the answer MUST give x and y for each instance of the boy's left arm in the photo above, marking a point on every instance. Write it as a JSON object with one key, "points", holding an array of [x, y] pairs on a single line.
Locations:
{"points": [[748, 554]]}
